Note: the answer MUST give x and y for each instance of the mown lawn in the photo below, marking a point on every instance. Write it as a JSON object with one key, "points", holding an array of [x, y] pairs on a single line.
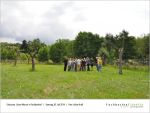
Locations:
{"points": [[51, 82]]}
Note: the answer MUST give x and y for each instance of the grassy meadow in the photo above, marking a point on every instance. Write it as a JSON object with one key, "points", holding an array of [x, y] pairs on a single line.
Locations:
{"points": [[51, 82]]}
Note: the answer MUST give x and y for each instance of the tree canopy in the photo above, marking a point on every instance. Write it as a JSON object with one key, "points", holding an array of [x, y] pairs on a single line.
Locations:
{"points": [[85, 44]]}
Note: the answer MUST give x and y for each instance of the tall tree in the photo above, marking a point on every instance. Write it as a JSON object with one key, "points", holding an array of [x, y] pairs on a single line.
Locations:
{"points": [[69, 50], [87, 44], [125, 47], [57, 51], [120, 43], [33, 49], [110, 45], [128, 43]]}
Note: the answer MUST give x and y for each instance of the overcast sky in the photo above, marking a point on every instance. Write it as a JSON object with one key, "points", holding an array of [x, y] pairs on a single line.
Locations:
{"points": [[51, 20]]}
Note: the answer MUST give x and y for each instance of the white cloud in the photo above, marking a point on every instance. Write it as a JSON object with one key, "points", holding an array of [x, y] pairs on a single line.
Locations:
{"points": [[50, 20]]}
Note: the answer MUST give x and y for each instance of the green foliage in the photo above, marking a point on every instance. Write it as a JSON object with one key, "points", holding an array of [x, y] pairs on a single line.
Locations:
{"points": [[50, 62], [128, 43], [87, 44], [24, 46], [4, 53], [43, 54], [69, 48], [103, 51], [142, 48], [146, 45], [34, 46], [23, 56], [9, 51], [129, 48], [57, 51], [110, 44]]}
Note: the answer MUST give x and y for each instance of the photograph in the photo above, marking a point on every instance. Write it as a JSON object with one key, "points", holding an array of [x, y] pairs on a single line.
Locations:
{"points": [[74, 49]]}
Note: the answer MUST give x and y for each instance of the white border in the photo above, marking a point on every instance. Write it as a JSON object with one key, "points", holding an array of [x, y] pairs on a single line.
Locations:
{"points": [[86, 105], [74, 105]]}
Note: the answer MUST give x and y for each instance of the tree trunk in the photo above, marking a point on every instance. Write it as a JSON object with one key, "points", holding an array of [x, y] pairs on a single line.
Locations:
{"points": [[120, 60], [33, 64]]}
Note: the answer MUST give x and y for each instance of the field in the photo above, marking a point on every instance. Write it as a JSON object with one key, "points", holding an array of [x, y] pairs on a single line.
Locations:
{"points": [[51, 82]]}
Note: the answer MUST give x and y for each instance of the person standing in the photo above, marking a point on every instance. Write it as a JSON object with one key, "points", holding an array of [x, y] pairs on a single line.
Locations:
{"points": [[69, 64], [72, 64], [78, 64], [65, 63], [81, 67], [88, 63], [98, 63], [91, 63], [75, 64], [84, 64]]}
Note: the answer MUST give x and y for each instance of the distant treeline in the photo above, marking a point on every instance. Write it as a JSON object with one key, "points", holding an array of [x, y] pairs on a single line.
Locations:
{"points": [[86, 44]]}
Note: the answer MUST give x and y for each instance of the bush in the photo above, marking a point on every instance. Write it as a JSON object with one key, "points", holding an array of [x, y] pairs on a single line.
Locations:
{"points": [[50, 62]]}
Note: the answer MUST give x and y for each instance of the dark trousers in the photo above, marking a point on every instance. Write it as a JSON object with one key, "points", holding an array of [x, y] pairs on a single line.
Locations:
{"points": [[65, 67], [88, 67]]}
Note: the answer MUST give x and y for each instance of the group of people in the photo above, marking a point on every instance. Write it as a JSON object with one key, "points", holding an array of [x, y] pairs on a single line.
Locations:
{"points": [[83, 64]]}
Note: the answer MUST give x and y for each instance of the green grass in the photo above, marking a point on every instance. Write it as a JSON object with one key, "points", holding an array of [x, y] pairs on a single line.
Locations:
{"points": [[51, 82]]}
